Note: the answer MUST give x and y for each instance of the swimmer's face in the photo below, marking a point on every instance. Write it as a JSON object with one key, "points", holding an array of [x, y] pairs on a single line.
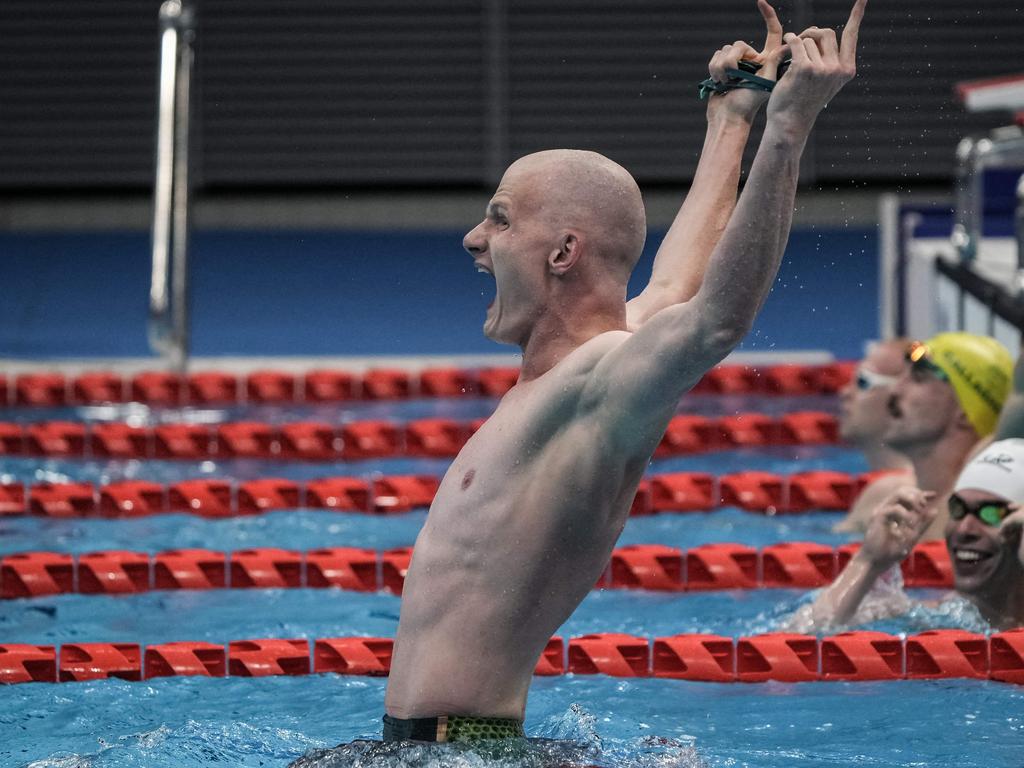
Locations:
{"points": [[512, 244], [984, 565], [923, 408], [864, 415]]}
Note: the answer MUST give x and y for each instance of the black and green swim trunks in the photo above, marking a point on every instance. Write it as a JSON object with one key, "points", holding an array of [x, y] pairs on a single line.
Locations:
{"points": [[451, 728]]}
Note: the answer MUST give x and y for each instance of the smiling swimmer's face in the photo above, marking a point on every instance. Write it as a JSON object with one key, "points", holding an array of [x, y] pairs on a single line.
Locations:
{"points": [[984, 565]]}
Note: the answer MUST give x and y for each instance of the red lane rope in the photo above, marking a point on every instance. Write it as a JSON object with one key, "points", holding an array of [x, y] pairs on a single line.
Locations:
{"points": [[358, 440], [850, 656], [642, 566], [319, 386], [752, 491]]}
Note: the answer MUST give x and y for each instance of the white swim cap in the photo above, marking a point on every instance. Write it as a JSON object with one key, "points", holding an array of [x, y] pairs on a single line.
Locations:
{"points": [[999, 469]]}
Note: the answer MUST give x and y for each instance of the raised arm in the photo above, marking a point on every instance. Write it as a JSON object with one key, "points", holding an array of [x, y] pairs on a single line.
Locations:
{"points": [[895, 527], [645, 375], [682, 258], [1011, 419]]}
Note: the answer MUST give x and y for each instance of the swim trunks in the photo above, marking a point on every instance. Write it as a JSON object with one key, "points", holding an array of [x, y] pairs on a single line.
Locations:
{"points": [[451, 728]]}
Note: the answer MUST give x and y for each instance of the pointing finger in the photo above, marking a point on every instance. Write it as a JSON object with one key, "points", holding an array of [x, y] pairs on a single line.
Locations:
{"points": [[773, 37], [848, 47]]}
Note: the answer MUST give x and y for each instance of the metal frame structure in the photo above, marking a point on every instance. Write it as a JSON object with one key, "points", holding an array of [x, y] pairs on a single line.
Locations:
{"points": [[169, 290]]}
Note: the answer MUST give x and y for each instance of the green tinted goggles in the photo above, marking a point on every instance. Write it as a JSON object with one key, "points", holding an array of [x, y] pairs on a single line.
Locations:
{"points": [[989, 512]]}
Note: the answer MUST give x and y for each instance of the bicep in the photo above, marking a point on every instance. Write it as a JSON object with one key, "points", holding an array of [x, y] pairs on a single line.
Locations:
{"points": [[639, 382]]}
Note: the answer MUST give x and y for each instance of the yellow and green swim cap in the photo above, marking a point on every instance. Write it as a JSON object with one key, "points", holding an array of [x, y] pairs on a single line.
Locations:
{"points": [[980, 370]]}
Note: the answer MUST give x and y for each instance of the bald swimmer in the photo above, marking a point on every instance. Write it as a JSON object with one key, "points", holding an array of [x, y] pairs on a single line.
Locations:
{"points": [[527, 515]]}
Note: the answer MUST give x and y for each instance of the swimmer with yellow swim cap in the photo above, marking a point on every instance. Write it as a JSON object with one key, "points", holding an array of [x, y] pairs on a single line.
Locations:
{"points": [[947, 400]]}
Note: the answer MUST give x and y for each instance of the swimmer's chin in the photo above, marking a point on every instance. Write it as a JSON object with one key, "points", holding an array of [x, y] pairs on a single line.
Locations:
{"points": [[492, 324]]}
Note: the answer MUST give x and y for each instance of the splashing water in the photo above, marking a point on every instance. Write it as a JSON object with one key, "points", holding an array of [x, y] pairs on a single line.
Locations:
{"points": [[571, 741]]}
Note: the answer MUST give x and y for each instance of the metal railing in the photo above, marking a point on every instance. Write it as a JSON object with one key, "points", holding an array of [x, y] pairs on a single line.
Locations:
{"points": [[168, 291], [1020, 229], [1002, 148]]}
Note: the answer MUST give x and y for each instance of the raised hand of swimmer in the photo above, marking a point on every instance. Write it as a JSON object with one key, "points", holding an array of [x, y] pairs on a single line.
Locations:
{"points": [[1012, 530], [743, 103], [896, 525], [819, 68]]}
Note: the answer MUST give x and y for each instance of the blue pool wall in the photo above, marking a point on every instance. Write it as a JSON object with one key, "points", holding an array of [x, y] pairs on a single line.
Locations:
{"points": [[362, 293]]}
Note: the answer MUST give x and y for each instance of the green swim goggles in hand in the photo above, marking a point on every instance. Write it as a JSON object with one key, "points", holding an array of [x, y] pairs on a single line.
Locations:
{"points": [[989, 512], [744, 77]]}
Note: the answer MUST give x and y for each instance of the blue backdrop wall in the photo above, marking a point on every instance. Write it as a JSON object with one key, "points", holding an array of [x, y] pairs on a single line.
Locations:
{"points": [[343, 293]]}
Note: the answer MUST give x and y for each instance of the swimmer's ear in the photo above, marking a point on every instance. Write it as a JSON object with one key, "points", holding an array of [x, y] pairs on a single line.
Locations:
{"points": [[962, 422], [564, 258]]}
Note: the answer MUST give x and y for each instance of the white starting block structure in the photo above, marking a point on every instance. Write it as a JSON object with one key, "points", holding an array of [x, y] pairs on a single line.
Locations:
{"points": [[962, 268]]}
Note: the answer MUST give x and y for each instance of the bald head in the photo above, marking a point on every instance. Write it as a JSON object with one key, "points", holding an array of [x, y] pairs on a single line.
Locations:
{"points": [[584, 190]]}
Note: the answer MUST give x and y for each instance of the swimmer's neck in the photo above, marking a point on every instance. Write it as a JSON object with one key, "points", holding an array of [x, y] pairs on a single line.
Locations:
{"points": [[937, 464], [882, 458], [1003, 610], [556, 334]]}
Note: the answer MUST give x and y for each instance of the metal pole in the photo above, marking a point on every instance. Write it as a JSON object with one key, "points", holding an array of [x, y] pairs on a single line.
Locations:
{"points": [[168, 293], [1019, 221], [496, 118], [1002, 148]]}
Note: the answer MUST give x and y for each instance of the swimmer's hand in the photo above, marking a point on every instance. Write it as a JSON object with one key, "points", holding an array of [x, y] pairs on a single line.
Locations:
{"points": [[896, 525], [819, 68], [1012, 530], [743, 103]]}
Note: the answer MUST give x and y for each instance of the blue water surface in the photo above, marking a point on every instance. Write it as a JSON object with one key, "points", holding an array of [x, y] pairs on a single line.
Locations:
{"points": [[189, 723], [181, 723]]}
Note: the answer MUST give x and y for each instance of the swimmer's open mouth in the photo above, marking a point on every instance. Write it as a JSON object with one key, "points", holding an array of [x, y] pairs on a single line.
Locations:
{"points": [[968, 559], [486, 270]]}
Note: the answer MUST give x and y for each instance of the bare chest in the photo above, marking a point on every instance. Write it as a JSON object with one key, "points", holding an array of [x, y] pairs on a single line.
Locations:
{"points": [[496, 457]]}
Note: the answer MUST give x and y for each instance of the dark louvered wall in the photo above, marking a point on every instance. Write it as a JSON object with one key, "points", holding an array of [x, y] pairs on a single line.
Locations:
{"points": [[362, 91], [399, 92]]}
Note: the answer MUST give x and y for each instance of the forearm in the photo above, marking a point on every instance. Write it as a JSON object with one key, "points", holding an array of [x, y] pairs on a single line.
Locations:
{"points": [[743, 265], [838, 603], [683, 256], [1011, 419]]}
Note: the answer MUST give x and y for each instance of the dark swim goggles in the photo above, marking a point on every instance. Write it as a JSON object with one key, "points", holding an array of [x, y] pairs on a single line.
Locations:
{"points": [[919, 356], [989, 512]]}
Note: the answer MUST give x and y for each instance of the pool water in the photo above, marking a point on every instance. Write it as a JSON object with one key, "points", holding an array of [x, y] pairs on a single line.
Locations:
{"points": [[271, 721]]}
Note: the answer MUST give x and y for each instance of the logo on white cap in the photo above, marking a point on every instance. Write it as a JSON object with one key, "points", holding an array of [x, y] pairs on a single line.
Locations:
{"points": [[997, 470]]}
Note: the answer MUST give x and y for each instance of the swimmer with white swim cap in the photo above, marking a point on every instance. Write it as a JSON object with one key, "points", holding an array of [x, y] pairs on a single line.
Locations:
{"points": [[983, 535], [526, 517]]}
